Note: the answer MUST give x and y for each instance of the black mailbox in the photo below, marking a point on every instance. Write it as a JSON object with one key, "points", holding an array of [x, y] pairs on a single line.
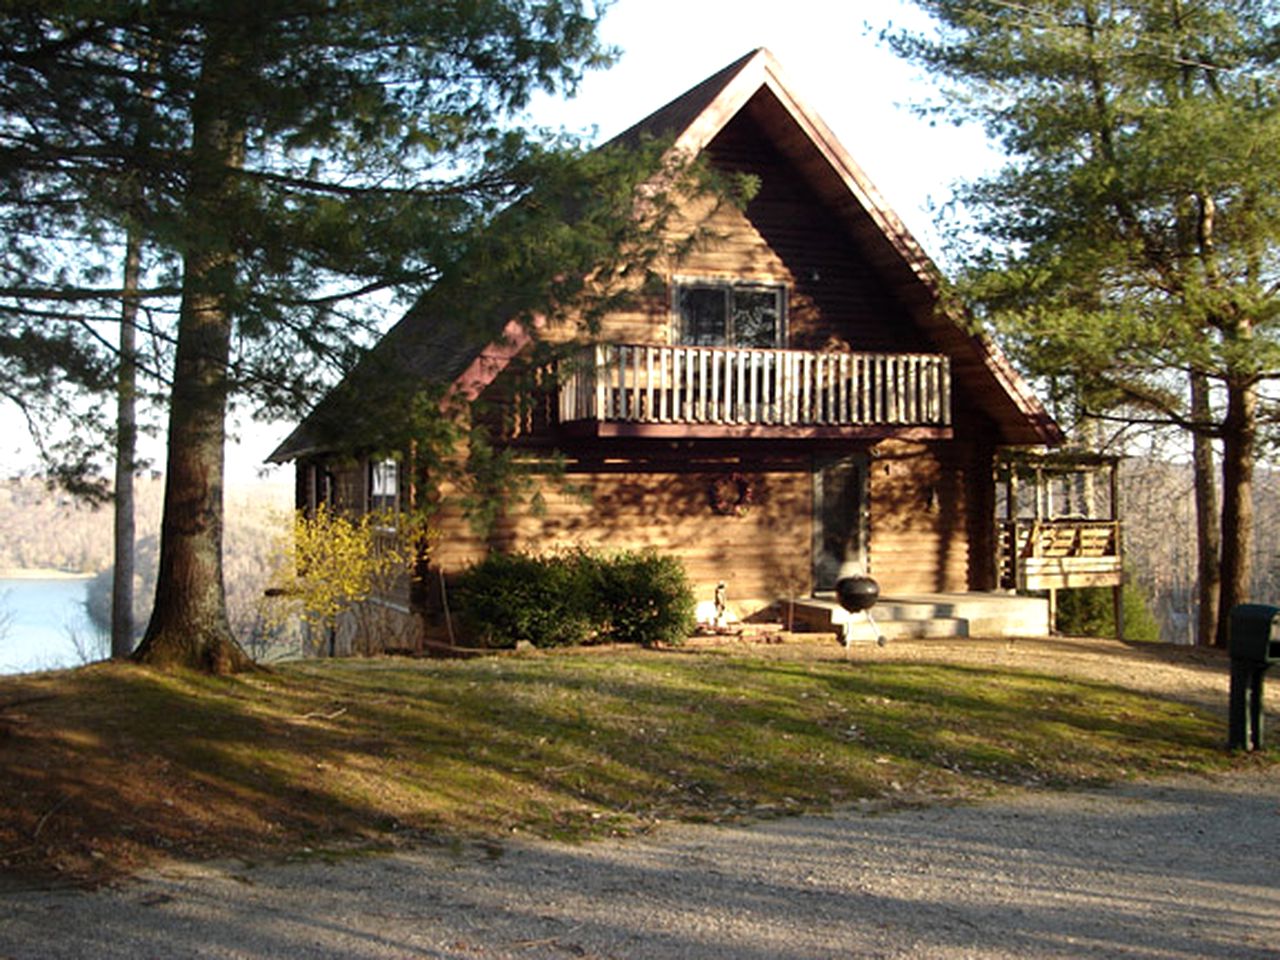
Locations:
{"points": [[1254, 646], [1255, 633]]}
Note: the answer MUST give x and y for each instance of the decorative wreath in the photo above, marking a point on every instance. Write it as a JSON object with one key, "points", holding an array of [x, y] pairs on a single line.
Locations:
{"points": [[732, 495]]}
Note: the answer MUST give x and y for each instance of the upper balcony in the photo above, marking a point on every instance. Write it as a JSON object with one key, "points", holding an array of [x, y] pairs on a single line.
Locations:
{"points": [[648, 390]]}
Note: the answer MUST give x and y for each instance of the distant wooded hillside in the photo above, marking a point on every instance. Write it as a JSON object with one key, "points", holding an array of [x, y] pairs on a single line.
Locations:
{"points": [[46, 529], [1160, 540]]}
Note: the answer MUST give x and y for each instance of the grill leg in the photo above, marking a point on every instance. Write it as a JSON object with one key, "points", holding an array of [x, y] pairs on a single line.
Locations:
{"points": [[880, 640]]}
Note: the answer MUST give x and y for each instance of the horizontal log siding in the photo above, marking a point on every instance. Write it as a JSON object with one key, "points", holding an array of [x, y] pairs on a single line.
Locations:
{"points": [[919, 519], [786, 235], [761, 556], [835, 291], [351, 484]]}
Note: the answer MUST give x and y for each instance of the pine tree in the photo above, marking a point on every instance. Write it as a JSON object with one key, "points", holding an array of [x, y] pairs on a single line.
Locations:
{"points": [[286, 160], [1128, 249]]}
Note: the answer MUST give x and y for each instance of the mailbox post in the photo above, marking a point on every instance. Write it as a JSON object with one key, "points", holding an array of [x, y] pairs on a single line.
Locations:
{"points": [[1255, 646]]}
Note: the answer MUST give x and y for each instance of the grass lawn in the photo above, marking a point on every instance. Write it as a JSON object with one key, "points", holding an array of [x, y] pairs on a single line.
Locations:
{"points": [[107, 768]]}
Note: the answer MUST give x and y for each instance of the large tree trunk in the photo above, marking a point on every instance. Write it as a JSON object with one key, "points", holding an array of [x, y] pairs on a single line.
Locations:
{"points": [[1238, 434], [1208, 531], [126, 451], [189, 625]]}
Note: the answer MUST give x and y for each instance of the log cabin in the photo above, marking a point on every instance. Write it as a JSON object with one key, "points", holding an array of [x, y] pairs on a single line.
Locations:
{"points": [[794, 405]]}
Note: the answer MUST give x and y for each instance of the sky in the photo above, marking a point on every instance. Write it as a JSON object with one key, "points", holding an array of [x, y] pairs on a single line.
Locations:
{"points": [[831, 57]]}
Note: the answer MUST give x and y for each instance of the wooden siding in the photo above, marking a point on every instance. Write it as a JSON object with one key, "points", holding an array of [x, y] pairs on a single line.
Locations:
{"points": [[835, 291], [762, 556], [786, 235], [920, 524]]}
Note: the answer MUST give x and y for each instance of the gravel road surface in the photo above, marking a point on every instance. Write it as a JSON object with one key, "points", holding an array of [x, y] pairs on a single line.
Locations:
{"points": [[1181, 868]]}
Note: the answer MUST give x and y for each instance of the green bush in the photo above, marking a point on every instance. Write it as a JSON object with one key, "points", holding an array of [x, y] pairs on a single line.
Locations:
{"points": [[576, 597], [643, 598], [1089, 612], [510, 597]]}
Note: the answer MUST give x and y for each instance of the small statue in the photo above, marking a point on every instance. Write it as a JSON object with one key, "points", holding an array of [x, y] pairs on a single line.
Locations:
{"points": [[720, 603]]}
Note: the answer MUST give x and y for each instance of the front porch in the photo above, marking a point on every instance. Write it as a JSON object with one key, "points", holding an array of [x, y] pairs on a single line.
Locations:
{"points": [[921, 615]]}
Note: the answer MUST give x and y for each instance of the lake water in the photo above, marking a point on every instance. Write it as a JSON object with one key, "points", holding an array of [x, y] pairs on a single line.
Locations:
{"points": [[37, 621]]}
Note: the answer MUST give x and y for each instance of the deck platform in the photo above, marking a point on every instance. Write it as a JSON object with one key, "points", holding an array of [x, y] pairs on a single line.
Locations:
{"points": [[918, 615]]}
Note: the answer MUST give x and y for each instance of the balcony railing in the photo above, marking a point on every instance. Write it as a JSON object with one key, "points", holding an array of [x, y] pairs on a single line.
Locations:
{"points": [[651, 384]]}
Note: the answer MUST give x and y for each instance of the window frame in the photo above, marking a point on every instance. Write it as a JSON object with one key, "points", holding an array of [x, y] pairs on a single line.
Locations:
{"points": [[728, 288], [382, 468]]}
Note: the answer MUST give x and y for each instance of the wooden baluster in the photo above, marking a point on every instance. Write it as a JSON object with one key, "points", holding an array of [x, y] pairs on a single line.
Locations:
{"points": [[846, 414], [855, 388], [648, 385], [768, 387], [912, 379], [864, 391], [700, 405], [806, 388], [787, 398], [740, 410], [664, 383], [713, 389], [599, 409], [620, 382], [945, 392], [638, 412], [822, 389], [677, 376], [877, 392], [689, 385], [620, 379], [727, 398], [929, 390], [780, 383]]}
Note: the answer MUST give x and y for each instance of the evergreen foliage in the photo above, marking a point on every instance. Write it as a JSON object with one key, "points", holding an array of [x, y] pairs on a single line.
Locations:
{"points": [[293, 168], [1131, 243], [1090, 612], [576, 597]]}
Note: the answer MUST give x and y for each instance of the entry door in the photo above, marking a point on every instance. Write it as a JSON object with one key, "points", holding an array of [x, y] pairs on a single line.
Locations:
{"points": [[841, 519]]}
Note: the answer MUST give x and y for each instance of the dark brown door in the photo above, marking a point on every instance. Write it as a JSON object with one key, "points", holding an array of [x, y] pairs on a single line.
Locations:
{"points": [[841, 519]]}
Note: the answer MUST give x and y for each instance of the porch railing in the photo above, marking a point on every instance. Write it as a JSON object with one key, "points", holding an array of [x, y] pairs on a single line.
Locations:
{"points": [[645, 383], [1062, 552]]}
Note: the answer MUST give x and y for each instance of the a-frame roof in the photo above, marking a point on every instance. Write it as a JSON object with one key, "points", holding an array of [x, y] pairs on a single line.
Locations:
{"points": [[428, 347], [756, 83]]}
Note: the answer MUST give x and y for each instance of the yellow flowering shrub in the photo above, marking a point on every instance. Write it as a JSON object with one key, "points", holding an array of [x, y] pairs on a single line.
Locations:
{"points": [[332, 561]]}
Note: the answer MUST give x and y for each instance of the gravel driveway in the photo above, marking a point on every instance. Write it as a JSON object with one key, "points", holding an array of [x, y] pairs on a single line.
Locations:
{"points": [[1187, 868]]}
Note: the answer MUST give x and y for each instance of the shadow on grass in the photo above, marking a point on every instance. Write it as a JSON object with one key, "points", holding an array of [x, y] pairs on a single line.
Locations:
{"points": [[122, 763]]}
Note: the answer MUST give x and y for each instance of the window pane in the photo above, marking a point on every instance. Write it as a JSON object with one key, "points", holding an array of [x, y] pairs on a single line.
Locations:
{"points": [[755, 318], [702, 316], [384, 484]]}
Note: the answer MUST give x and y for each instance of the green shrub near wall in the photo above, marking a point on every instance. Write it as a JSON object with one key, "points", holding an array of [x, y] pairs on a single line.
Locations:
{"points": [[511, 597], [1090, 612], [576, 597], [642, 598]]}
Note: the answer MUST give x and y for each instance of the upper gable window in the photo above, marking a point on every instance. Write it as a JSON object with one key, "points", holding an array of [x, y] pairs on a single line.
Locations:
{"points": [[730, 314]]}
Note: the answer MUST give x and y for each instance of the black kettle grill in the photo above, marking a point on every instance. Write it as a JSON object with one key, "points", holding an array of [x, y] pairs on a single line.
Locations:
{"points": [[858, 594]]}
